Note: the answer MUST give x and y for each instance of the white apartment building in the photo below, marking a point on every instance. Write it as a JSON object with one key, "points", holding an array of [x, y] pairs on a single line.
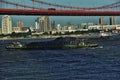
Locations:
{"points": [[104, 27], [6, 24]]}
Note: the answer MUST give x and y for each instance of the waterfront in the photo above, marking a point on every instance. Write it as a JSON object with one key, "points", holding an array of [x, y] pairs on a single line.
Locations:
{"points": [[101, 63]]}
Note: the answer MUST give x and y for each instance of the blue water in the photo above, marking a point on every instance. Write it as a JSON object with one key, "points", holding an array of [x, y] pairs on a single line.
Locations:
{"points": [[101, 63]]}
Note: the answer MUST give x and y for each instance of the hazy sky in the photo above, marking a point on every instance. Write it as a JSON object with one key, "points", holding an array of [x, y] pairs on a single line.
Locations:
{"points": [[29, 20]]}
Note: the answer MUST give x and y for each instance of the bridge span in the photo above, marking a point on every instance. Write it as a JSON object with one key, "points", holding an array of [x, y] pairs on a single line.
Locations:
{"points": [[58, 12], [16, 8]]}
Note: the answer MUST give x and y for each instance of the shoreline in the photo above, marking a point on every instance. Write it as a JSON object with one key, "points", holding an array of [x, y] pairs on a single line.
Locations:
{"points": [[43, 37]]}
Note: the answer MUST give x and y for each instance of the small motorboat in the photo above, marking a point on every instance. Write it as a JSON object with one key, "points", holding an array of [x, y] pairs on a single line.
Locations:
{"points": [[16, 45]]}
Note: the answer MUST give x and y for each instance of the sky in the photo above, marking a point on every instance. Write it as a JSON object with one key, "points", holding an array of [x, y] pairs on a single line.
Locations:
{"points": [[63, 20]]}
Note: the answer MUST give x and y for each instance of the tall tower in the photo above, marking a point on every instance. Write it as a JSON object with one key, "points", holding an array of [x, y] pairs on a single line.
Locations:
{"points": [[112, 20], [44, 24], [53, 26], [6, 24], [101, 21], [20, 25], [37, 23]]}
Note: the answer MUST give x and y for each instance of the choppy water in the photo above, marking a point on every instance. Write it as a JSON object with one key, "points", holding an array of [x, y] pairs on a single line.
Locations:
{"points": [[102, 63]]}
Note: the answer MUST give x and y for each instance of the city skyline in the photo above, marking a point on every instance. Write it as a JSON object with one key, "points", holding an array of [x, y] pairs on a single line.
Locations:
{"points": [[29, 21], [43, 24]]}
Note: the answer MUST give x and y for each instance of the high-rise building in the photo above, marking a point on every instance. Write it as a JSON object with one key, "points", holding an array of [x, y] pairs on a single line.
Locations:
{"points": [[20, 25], [58, 27], [6, 24], [44, 24], [37, 23], [112, 20], [101, 21], [53, 28]]}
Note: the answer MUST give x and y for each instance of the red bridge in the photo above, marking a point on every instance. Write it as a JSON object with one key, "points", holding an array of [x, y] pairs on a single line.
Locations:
{"points": [[14, 8]]}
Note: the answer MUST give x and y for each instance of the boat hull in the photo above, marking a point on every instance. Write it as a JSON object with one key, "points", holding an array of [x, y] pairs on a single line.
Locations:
{"points": [[59, 43], [57, 47]]}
